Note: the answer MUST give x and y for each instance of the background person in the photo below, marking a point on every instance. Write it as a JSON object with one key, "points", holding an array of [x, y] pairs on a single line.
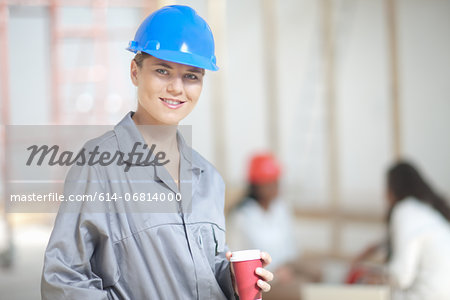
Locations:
{"points": [[419, 260], [262, 220], [418, 245]]}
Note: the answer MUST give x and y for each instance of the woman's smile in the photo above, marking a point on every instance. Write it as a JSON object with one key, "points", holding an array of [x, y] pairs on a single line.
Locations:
{"points": [[172, 103]]}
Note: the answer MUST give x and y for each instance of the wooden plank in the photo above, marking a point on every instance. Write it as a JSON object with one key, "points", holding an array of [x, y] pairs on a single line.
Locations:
{"points": [[394, 77], [217, 21], [339, 216], [330, 106], [270, 71]]}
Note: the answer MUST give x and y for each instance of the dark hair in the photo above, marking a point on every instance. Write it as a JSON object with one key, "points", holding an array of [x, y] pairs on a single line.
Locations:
{"points": [[403, 181], [250, 195], [139, 58], [251, 192]]}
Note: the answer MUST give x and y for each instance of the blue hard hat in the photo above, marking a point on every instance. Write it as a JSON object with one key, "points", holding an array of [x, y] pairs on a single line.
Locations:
{"points": [[178, 34]]}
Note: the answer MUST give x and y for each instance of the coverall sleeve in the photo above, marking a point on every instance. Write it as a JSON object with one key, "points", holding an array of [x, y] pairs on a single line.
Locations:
{"points": [[79, 260], [223, 274]]}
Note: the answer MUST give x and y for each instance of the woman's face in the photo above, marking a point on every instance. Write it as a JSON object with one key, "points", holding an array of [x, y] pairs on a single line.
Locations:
{"points": [[167, 91], [268, 191]]}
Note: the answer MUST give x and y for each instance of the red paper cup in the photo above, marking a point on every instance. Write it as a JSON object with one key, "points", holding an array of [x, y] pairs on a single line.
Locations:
{"points": [[244, 264]]}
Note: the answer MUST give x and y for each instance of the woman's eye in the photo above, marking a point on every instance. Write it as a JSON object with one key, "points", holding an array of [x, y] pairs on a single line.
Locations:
{"points": [[191, 76], [162, 71]]}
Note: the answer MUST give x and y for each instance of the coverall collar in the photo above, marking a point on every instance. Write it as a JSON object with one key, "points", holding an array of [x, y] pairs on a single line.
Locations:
{"points": [[128, 135]]}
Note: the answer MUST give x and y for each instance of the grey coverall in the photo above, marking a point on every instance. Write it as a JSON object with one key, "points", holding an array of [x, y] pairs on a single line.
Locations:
{"points": [[139, 250]]}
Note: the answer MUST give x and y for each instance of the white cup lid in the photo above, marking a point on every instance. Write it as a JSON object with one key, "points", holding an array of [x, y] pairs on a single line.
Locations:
{"points": [[245, 255]]}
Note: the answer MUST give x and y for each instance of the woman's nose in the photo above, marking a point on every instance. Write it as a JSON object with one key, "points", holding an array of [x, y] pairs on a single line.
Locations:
{"points": [[175, 86]]}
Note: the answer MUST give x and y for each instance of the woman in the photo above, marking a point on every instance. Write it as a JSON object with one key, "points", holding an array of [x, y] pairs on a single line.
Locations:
{"points": [[419, 262], [155, 227], [262, 220], [263, 209]]}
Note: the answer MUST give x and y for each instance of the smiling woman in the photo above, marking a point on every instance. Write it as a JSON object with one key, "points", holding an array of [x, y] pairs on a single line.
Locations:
{"points": [[149, 250], [167, 91]]}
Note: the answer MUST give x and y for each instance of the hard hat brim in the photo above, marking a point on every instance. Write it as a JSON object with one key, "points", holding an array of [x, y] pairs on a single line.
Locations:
{"points": [[184, 58]]}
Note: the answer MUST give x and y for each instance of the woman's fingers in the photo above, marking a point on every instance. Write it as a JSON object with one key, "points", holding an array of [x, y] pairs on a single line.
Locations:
{"points": [[264, 286], [264, 274], [266, 258], [228, 255], [233, 279]]}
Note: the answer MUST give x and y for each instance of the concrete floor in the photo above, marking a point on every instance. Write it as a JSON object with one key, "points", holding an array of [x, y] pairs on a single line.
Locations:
{"points": [[22, 279]]}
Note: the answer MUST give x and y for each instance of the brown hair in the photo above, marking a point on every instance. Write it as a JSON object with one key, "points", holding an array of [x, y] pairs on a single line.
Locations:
{"points": [[403, 181], [139, 58]]}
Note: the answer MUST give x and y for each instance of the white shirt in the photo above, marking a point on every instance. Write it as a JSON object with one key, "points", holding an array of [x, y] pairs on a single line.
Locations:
{"points": [[249, 226], [420, 266]]}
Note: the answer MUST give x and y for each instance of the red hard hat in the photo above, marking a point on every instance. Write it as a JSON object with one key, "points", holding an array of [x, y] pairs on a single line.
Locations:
{"points": [[264, 168]]}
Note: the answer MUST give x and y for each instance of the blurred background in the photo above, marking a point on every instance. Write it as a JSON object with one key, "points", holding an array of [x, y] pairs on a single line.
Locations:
{"points": [[336, 89]]}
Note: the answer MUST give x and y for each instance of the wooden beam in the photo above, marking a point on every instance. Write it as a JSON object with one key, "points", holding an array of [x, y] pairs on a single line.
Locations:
{"points": [[394, 77], [4, 61], [270, 74], [342, 217], [79, 3], [6, 120], [328, 52], [217, 21], [56, 76]]}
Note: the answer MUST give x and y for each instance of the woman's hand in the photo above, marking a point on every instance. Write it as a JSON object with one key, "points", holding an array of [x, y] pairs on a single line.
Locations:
{"points": [[368, 253], [265, 275]]}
